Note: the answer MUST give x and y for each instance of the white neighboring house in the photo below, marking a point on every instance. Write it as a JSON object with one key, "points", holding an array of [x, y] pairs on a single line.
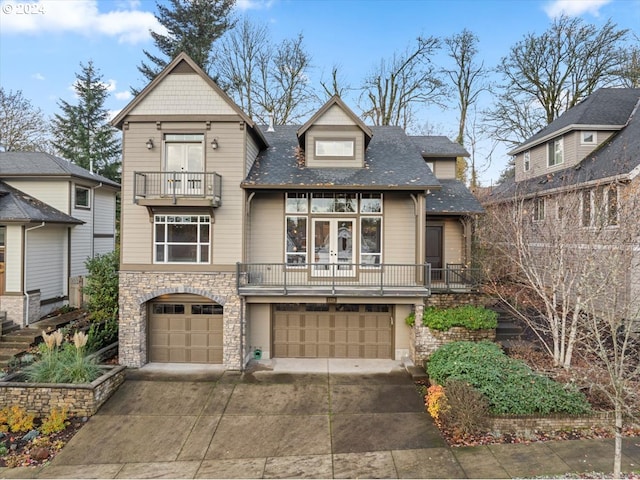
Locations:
{"points": [[54, 215]]}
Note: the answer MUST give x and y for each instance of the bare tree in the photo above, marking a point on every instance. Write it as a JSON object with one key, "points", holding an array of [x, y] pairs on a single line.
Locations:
{"points": [[631, 68], [554, 71], [394, 88], [22, 126], [266, 79], [336, 85]]}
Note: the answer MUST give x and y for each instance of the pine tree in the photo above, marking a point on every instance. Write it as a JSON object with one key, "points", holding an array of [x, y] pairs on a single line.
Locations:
{"points": [[192, 27], [82, 132]]}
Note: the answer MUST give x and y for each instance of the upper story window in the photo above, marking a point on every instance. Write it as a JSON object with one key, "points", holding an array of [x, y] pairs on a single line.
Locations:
{"points": [[182, 238], [82, 197], [526, 161], [587, 138], [334, 202], [335, 148], [184, 152], [556, 152], [432, 166]]}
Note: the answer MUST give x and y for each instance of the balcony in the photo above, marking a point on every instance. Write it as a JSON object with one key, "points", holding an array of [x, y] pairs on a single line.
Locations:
{"points": [[345, 279], [177, 188]]}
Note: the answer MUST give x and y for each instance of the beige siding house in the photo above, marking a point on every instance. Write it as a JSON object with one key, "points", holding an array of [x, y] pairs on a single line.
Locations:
{"points": [[54, 215], [242, 241]]}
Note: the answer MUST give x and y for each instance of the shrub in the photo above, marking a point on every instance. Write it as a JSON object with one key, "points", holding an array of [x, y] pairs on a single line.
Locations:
{"points": [[16, 419], [102, 289], [436, 401], [510, 386], [468, 408], [467, 316], [56, 421]]}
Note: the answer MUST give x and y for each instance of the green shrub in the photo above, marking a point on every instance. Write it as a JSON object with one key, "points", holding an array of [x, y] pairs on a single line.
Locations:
{"points": [[467, 316], [510, 386], [102, 289]]}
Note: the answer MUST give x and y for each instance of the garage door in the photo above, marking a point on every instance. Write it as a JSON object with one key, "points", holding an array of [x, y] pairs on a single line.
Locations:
{"points": [[185, 332], [332, 331]]}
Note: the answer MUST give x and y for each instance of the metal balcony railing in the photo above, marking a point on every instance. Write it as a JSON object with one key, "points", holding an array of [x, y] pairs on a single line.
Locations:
{"points": [[455, 276], [162, 185]]}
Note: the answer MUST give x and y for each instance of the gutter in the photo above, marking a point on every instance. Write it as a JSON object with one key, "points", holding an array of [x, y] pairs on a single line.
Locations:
{"points": [[24, 272]]}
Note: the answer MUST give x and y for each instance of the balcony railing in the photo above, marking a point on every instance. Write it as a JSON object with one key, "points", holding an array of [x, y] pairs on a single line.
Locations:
{"points": [[455, 277], [348, 279], [178, 185]]}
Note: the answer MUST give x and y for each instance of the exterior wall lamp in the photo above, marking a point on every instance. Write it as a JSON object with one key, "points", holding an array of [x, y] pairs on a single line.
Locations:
{"points": [[149, 144], [214, 144]]}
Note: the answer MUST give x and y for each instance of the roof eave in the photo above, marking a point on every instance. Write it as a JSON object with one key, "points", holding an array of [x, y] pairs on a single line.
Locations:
{"points": [[562, 131]]}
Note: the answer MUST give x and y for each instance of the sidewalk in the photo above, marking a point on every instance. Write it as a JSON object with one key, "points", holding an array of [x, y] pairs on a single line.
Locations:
{"points": [[338, 419]]}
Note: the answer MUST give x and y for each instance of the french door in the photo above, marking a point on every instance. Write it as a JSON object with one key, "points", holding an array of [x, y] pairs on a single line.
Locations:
{"points": [[333, 247], [184, 164]]}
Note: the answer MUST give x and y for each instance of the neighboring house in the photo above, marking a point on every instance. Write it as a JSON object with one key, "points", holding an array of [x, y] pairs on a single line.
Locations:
{"points": [[54, 215], [242, 241], [593, 151]]}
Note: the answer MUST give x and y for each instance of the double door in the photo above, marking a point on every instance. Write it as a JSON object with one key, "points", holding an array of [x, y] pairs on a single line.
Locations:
{"points": [[333, 247]]}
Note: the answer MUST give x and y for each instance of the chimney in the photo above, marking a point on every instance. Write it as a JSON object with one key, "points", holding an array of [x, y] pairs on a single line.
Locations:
{"points": [[271, 129]]}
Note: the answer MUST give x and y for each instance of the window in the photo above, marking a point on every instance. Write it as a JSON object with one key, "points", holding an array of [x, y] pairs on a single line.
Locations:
{"points": [[371, 240], [556, 152], [526, 162], [296, 251], [588, 138], [612, 205], [538, 209], [182, 238], [335, 148], [432, 166], [184, 152], [586, 208], [82, 197], [600, 207], [334, 202]]}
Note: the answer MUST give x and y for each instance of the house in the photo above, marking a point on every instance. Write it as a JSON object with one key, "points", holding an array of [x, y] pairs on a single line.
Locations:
{"points": [[585, 166], [242, 241], [53, 216]]}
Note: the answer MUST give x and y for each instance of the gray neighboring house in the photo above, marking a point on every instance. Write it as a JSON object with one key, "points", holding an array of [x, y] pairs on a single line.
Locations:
{"points": [[54, 215]]}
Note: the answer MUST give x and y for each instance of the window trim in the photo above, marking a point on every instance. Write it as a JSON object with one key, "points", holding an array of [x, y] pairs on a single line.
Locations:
{"points": [[593, 134], [75, 197], [318, 140], [526, 160], [539, 209], [554, 144], [197, 243]]}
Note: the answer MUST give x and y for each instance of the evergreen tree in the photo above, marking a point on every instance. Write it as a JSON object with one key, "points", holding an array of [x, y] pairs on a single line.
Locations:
{"points": [[192, 27], [82, 132]]}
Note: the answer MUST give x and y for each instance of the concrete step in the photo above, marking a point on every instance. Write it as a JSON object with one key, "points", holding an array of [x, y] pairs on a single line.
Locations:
{"points": [[7, 353], [26, 336]]}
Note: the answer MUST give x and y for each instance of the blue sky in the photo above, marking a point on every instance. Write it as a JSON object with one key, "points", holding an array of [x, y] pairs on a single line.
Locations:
{"points": [[43, 42]]}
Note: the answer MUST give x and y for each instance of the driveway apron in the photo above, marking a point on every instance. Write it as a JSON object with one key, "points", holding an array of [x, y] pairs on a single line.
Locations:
{"points": [[260, 425]]}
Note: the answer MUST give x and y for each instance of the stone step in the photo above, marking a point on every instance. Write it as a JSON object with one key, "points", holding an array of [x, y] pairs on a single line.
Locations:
{"points": [[25, 336], [7, 353]]}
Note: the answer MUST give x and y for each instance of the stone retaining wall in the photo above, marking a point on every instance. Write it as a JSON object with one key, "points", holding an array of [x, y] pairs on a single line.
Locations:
{"points": [[452, 300], [525, 425], [424, 341], [81, 400]]}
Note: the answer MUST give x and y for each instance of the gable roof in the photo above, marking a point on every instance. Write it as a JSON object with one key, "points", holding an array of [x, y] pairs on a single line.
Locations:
{"points": [[183, 62], [391, 161], [617, 159], [604, 109], [18, 207], [23, 164], [438, 146], [335, 100]]}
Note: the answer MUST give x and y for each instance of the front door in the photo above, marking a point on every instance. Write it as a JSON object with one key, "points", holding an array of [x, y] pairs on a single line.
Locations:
{"points": [[434, 250], [333, 247]]}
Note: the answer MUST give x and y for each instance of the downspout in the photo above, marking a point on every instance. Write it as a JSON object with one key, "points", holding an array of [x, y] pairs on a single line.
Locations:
{"points": [[93, 219], [24, 272]]}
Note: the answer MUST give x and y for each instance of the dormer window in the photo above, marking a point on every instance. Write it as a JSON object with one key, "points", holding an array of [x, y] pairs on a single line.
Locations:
{"points": [[588, 138], [556, 152], [335, 148]]}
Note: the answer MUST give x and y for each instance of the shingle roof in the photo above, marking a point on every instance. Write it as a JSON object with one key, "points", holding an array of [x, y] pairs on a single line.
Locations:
{"points": [[618, 156], [604, 107], [19, 164], [17, 206], [453, 198], [438, 146], [391, 161]]}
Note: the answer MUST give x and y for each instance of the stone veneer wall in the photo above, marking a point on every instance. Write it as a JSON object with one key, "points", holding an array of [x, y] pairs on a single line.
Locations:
{"points": [[81, 400], [451, 300], [137, 288], [425, 341], [525, 425], [15, 306]]}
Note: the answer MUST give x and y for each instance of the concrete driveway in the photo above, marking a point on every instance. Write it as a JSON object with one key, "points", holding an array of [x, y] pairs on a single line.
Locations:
{"points": [[259, 425]]}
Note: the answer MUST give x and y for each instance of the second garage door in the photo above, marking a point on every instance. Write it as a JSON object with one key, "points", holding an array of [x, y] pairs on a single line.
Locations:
{"points": [[332, 331], [185, 331]]}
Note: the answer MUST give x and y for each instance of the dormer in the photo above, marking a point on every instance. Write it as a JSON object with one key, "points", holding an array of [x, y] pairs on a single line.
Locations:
{"points": [[334, 137]]}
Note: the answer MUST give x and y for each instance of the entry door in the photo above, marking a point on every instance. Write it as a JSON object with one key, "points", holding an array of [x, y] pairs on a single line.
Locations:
{"points": [[333, 247], [187, 160], [434, 250]]}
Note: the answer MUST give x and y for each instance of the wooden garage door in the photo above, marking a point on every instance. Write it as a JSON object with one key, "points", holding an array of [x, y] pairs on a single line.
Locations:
{"points": [[332, 331], [184, 332]]}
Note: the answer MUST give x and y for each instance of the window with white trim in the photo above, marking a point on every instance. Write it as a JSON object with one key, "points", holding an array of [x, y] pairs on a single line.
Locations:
{"points": [[587, 137], [526, 160], [538, 209], [335, 148], [82, 197], [556, 152], [182, 238]]}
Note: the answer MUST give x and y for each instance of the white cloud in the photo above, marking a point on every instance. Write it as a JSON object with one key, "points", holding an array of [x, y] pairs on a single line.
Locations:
{"points": [[254, 4], [38, 76], [126, 23], [574, 8], [126, 95]]}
